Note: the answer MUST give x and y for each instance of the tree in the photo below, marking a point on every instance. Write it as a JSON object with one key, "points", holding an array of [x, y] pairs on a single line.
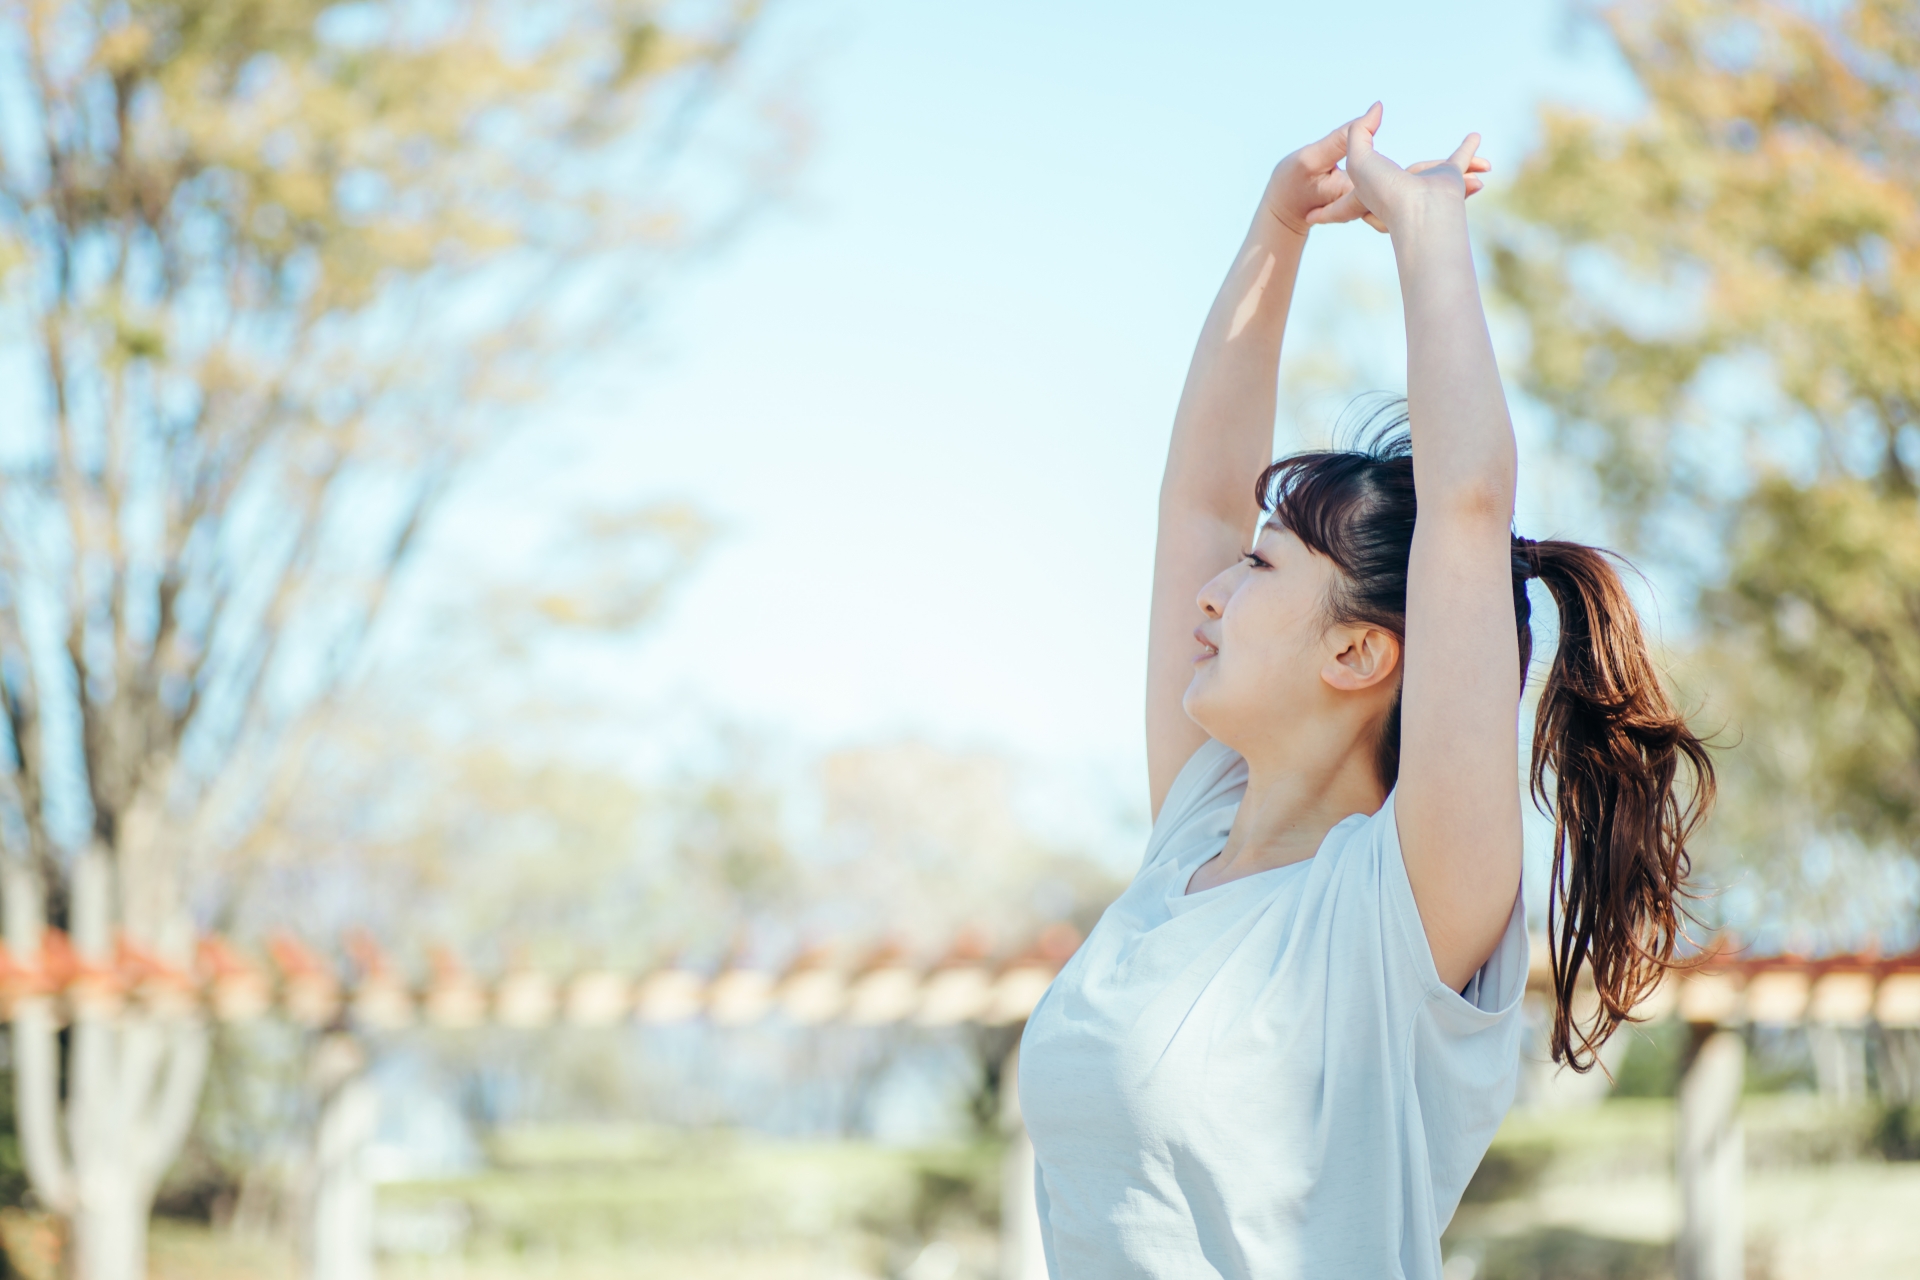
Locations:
{"points": [[1723, 301], [270, 270]]}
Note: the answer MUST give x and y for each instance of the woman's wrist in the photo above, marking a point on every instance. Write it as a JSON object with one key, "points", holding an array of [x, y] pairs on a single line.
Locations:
{"points": [[1433, 220], [1273, 229]]}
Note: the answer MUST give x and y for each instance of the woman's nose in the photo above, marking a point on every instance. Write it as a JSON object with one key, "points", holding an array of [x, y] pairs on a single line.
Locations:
{"points": [[1209, 599]]}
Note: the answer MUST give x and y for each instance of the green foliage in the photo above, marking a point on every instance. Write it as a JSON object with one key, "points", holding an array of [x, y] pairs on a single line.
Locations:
{"points": [[1509, 1170], [1825, 582], [1896, 1135], [956, 1187], [1564, 1253], [13, 1172], [1779, 1061], [993, 1053], [1723, 301], [571, 1190], [1654, 1055], [1565, 1193]]}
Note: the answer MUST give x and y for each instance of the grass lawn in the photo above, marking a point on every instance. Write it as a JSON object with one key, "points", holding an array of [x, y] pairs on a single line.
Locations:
{"points": [[1579, 1195], [1590, 1195]]}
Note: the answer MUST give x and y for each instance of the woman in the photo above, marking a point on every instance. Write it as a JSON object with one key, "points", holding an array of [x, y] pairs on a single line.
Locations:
{"points": [[1285, 1048]]}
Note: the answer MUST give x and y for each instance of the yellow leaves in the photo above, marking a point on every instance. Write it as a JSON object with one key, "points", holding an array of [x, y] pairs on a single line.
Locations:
{"points": [[13, 254], [640, 52], [612, 571], [261, 149], [123, 48], [1761, 61], [244, 166], [138, 340], [1758, 173], [567, 610], [1889, 28], [686, 527]]}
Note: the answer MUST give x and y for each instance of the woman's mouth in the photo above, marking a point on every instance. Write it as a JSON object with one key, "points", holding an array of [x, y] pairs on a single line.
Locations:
{"points": [[1207, 648]]}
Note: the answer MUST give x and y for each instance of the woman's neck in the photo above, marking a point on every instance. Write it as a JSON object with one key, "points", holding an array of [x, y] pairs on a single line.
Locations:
{"points": [[1293, 798]]}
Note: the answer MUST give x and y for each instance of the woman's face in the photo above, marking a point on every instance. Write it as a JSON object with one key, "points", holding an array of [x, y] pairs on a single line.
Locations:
{"points": [[1264, 653]]}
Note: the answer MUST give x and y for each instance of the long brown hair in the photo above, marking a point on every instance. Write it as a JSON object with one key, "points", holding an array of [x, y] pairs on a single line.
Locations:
{"points": [[1606, 733]]}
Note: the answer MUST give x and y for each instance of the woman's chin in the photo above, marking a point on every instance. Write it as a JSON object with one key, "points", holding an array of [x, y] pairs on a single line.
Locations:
{"points": [[1197, 703]]}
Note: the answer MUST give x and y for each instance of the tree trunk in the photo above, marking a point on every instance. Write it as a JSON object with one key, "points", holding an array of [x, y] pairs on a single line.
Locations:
{"points": [[131, 1085], [110, 1227]]}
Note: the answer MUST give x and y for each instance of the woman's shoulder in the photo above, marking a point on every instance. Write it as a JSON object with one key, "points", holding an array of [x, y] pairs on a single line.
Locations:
{"points": [[1210, 784], [1214, 767], [1363, 852]]}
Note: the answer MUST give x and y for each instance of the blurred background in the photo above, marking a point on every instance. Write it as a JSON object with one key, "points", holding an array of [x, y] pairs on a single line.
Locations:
{"points": [[572, 582]]}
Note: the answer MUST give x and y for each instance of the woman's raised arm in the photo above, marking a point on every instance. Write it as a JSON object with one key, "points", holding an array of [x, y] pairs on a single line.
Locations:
{"points": [[1458, 797], [1223, 435]]}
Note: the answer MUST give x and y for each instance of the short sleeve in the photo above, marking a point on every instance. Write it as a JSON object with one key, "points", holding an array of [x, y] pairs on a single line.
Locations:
{"points": [[1465, 1045], [1495, 989], [1200, 804]]}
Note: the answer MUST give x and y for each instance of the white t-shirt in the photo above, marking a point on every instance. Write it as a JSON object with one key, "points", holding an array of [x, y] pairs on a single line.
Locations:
{"points": [[1266, 1078]]}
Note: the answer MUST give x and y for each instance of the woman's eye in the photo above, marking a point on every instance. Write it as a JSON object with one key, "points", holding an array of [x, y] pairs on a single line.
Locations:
{"points": [[1254, 560]]}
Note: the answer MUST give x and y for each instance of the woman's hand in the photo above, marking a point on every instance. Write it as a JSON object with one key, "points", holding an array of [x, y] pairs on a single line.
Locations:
{"points": [[1380, 191], [1309, 182]]}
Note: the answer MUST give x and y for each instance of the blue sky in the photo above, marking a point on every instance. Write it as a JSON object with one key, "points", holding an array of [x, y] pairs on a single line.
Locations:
{"points": [[927, 397]]}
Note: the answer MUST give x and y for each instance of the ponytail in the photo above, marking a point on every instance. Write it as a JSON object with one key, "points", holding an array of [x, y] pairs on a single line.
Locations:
{"points": [[1614, 745]]}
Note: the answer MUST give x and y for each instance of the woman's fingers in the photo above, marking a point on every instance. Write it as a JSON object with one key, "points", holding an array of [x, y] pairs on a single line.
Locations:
{"points": [[1478, 165], [1360, 132], [1474, 167], [1362, 158], [1375, 177], [1463, 157], [1328, 151], [1332, 149], [1344, 209]]}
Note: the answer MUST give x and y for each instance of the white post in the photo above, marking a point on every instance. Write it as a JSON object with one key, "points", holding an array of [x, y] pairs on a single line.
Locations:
{"points": [[339, 1244], [1022, 1256], [1710, 1148]]}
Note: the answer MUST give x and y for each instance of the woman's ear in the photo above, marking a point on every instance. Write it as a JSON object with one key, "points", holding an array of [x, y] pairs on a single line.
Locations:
{"points": [[1367, 656]]}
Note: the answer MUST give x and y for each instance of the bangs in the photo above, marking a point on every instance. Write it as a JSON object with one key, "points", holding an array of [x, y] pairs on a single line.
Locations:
{"points": [[1328, 498]]}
